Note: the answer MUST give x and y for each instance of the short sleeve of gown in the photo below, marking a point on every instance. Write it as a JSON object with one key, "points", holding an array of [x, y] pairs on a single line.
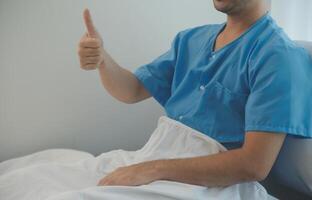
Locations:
{"points": [[157, 76], [280, 99]]}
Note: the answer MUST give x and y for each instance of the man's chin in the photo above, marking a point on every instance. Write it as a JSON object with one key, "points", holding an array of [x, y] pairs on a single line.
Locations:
{"points": [[224, 10], [222, 6]]}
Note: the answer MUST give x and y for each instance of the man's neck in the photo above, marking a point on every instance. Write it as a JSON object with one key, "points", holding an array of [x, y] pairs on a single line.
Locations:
{"points": [[238, 23]]}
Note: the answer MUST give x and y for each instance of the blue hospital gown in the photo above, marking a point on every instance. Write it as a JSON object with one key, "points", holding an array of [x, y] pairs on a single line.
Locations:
{"points": [[262, 81]]}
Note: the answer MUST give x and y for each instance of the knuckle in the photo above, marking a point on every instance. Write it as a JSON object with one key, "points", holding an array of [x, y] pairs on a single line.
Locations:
{"points": [[91, 60], [95, 42], [82, 65], [95, 59], [94, 52], [98, 51], [89, 51], [80, 52], [98, 43], [81, 43]]}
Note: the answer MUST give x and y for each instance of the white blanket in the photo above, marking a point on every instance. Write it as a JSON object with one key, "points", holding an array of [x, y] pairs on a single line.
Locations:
{"points": [[73, 175]]}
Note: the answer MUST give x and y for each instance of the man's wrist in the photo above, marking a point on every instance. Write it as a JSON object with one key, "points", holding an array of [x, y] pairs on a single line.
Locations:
{"points": [[101, 65]]}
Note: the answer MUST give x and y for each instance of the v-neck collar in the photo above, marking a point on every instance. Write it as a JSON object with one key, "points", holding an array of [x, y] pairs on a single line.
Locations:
{"points": [[222, 26]]}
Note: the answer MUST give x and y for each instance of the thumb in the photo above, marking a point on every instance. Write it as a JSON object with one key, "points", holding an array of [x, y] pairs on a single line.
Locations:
{"points": [[89, 24]]}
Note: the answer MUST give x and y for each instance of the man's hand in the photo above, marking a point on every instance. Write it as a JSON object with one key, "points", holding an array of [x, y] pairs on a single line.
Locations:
{"points": [[91, 51], [134, 175]]}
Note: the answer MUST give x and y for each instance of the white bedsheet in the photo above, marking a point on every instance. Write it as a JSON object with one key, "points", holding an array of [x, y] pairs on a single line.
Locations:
{"points": [[72, 175]]}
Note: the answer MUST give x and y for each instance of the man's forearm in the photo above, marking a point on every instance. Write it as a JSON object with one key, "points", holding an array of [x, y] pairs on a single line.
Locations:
{"points": [[119, 82], [223, 169]]}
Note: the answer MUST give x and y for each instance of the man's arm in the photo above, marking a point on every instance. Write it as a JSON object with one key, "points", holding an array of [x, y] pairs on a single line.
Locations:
{"points": [[252, 162], [119, 82]]}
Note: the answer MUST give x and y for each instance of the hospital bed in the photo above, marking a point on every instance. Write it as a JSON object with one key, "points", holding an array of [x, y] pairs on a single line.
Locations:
{"points": [[291, 176]]}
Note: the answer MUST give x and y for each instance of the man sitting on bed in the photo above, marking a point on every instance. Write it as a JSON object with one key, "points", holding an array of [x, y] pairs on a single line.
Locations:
{"points": [[244, 83]]}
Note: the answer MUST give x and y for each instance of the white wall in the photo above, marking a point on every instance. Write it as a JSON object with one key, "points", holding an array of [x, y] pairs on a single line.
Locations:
{"points": [[46, 101], [295, 17]]}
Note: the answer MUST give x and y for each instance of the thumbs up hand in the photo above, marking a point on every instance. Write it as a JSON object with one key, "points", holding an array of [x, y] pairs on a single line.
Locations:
{"points": [[90, 50]]}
